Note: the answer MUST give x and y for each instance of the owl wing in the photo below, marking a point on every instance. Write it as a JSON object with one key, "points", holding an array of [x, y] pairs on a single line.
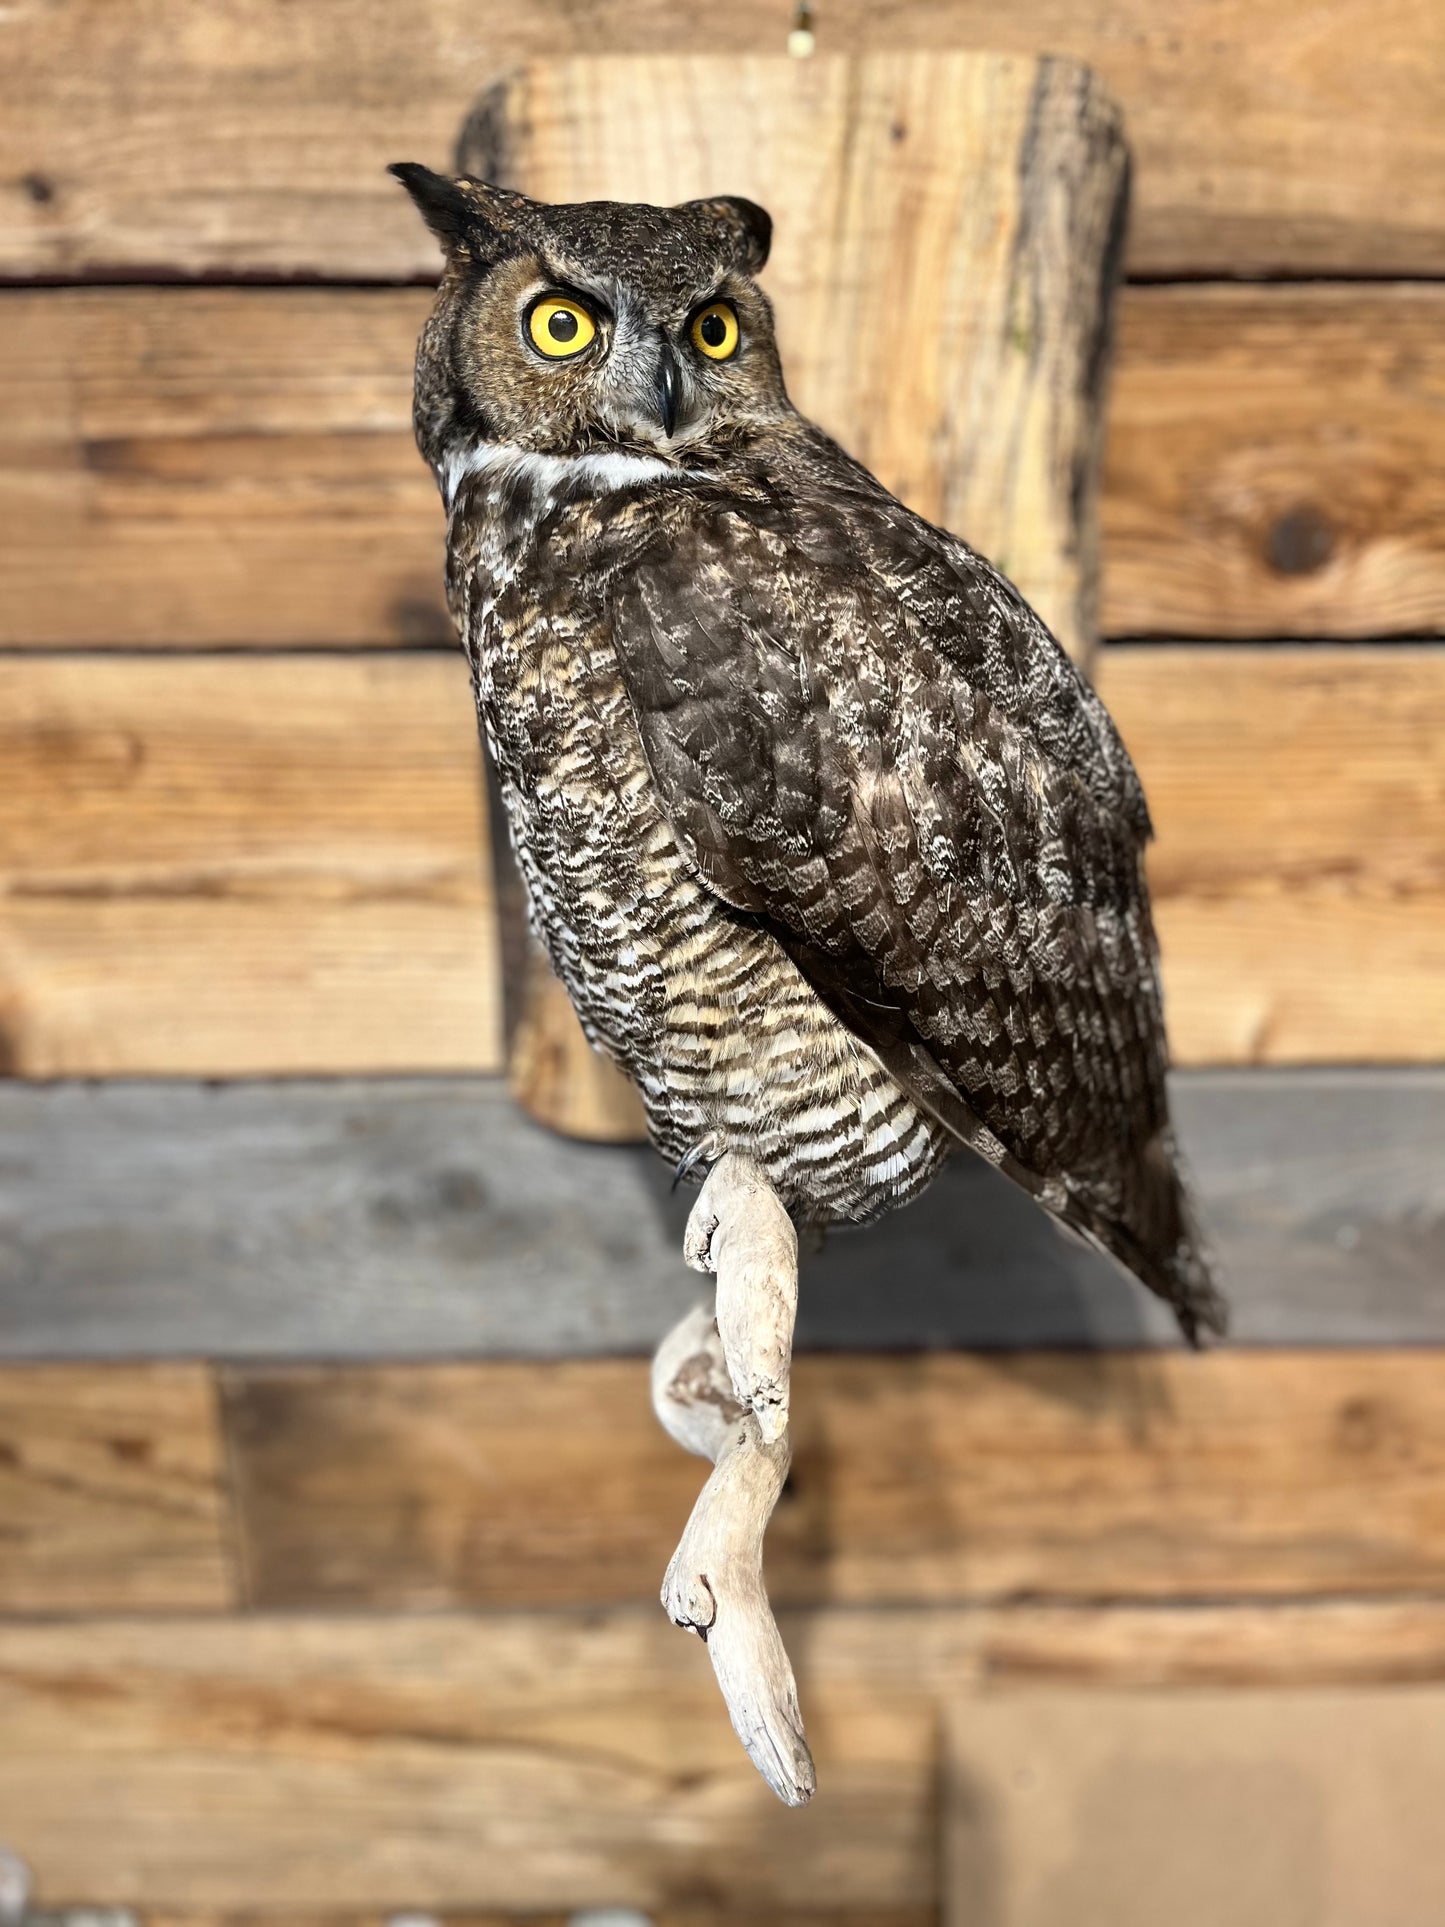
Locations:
{"points": [[863, 737]]}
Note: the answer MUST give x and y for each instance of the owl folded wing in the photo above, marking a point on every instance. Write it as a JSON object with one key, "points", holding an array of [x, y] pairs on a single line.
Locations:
{"points": [[840, 762]]}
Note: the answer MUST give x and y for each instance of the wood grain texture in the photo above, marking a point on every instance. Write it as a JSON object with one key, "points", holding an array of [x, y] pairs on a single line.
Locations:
{"points": [[1196, 1808], [1299, 873], [1276, 462], [1297, 142], [238, 866], [682, 1914], [111, 1491], [946, 232], [983, 198], [256, 1768], [502, 1763], [1289, 935], [205, 466], [234, 867], [1047, 1475], [412, 1219], [1209, 1643]]}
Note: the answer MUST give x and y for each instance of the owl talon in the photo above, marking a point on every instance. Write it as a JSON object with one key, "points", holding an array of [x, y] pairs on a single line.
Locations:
{"points": [[705, 1151]]}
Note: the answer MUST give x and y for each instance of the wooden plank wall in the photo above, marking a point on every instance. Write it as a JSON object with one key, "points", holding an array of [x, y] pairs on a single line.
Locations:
{"points": [[382, 1659], [309, 1643], [230, 467], [423, 1218]]}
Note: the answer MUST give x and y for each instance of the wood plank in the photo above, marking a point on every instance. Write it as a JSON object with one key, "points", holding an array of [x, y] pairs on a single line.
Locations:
{"points": [[1049, 1474], [238, 867], [541, 1764], [255, 1767], [1332, 154], [110, 1491], [983, 197], [1197, 1808], [682, 1914], [1195, 1644], [213, 466], [450, 1918], [1276, 462], [1273, 912], [275, 1220], [232, 866], [1271, 917]]}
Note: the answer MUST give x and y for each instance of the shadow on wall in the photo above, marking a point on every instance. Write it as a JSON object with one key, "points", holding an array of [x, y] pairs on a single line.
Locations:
{"points": [[426, 1217], [971, 1262]]}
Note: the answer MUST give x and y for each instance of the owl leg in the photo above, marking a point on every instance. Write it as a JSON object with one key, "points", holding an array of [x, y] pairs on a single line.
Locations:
{"points": [[720, 1386]]}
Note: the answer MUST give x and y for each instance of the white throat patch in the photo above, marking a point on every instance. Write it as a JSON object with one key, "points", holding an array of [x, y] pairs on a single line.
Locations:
{"points": [[607, 469]]}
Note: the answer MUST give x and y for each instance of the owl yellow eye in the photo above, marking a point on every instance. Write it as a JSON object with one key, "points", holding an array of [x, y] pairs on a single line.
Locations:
{"points": [[715, 331], [559, 327]]}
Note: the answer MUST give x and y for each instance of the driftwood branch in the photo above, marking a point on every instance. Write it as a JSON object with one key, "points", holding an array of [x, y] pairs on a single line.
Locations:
{"points": [[720, 1386]]}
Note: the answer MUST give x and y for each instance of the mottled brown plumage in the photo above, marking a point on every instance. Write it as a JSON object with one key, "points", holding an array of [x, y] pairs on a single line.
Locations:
{"points": [[835, 851]]}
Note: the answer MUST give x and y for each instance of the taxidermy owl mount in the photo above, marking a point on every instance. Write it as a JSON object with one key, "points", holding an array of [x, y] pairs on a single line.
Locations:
{"points": [[837, 854]]}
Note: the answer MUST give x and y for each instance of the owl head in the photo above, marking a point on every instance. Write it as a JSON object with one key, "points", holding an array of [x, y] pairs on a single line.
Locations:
{"points": [[569, 329]]}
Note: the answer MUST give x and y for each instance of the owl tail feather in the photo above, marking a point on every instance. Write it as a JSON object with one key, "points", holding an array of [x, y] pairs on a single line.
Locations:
{"points": [[1156, 1238], [1162, 1244]]}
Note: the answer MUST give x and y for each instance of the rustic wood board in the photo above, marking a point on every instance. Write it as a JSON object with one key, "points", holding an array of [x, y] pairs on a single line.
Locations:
{"points": [[423, 1487], [1265, 144], [236, 866], [1276, 462], [698, 1914], [248, 1768], [1299, 872], [946, 234], [933, 1478], [1070, 1809], [206, 466], [529, 1763], [946, 238], [215, 466], [110, 1491], [1288, 934], [1196, 1643], [417, 1219]]}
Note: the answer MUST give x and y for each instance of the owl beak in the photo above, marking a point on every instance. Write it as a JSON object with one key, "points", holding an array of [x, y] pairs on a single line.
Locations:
{"points": [[669, 389]]}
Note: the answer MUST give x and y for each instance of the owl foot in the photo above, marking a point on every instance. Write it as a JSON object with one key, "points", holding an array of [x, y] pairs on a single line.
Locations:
{"points": [[706, 1151]]}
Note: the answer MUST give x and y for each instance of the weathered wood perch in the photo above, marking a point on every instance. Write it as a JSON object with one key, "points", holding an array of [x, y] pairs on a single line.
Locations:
{"points": [[947, 233], [947, 230], [720, 1386]]}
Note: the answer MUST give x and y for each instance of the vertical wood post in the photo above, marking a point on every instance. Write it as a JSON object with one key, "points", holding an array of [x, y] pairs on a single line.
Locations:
{"points": [[947, 233]]}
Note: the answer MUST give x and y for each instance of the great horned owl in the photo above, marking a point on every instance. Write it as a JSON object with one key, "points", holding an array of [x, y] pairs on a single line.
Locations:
{"points": [[837, 854]]}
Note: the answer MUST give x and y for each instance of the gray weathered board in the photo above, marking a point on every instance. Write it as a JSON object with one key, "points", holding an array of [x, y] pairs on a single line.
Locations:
{"points": [[424, 1217]]}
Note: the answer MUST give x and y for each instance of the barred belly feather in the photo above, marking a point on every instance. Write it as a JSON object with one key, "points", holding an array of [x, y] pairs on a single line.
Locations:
{"points": [[725, 1039]]}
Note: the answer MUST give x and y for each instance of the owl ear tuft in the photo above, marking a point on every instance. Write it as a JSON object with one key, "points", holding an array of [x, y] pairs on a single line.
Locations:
{"points": [[746, 227], [468, 217], [442, 202]]}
